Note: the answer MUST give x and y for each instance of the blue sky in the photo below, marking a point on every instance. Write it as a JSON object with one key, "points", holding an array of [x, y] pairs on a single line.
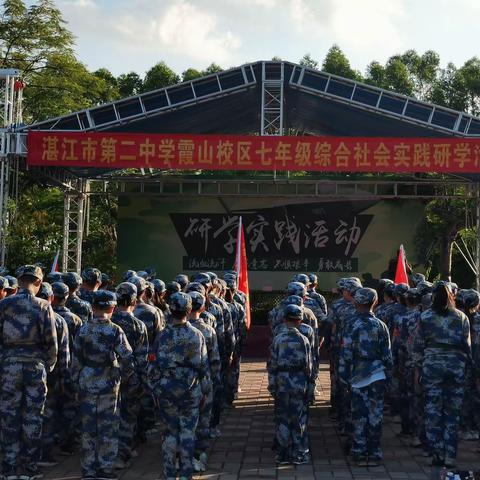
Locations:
{"points": [[126, 35]]}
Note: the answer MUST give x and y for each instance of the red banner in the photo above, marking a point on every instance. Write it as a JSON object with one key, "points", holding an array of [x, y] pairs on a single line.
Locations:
{"points": [[232, 152]]}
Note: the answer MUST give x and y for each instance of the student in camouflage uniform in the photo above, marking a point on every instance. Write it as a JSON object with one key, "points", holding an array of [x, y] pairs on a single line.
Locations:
{"points": [[467, 301], [290, 382], [29, 348], [240, 329], [364, 364], [179, 376], [91, 281], [214, 364], [55, 383], [182, 280], [12, 285], [132, 388], [74, 303], [102, 357], [68, 406], [154, 321], [3, 287], [442, 349]]}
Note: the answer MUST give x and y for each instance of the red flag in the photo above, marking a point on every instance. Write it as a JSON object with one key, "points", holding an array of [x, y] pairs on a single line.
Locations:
{"points": [[55, 263], [401, 273], [241, 269]]}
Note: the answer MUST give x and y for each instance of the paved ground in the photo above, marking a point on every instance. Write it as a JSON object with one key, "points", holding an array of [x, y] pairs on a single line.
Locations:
{"points": [[243, 450]]}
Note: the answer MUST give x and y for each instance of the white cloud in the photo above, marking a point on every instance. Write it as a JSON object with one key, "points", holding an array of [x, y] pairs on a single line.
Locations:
{"points": [[186, 29]]}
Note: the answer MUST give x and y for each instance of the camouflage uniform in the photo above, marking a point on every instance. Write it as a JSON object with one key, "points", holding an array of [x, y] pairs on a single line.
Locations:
{"points": [[68, 405], [290, 382], [102, 356], [29, 349], [364, 363], [132, 388], [74, 303], [442, 348], [90, 276], [214, 364], [56, 378], [179, 377]]}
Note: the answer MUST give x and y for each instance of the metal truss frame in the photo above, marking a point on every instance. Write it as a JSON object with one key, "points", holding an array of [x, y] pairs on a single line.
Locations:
{"points": [[272, 98], [74, 224], [320, 190]]}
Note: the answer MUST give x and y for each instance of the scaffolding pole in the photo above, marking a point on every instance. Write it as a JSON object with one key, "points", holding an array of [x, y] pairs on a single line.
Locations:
{"points": [[272, 100], [73, 226]]}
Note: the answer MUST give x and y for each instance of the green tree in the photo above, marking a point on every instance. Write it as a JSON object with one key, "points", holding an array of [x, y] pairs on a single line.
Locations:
{"points": [[191, 74], [212, 68], [308, 61], [129, 84], [336, 62], [159, 76], [108, 85]]}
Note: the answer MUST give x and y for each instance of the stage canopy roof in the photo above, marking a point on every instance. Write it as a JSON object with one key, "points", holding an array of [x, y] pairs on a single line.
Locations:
{"points": [[236, 102]]}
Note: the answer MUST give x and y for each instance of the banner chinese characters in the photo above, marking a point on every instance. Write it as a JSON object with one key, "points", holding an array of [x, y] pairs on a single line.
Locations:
{"points": [[231, 152]]}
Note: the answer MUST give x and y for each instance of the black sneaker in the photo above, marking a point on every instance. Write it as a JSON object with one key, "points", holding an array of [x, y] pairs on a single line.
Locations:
{"points": [[47, 461], [360, 460], [9, 474], [282, 459], [301, 459], [106, 476]]}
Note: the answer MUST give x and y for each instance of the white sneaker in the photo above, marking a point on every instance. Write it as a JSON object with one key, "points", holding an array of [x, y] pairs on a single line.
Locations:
{"points": [[197, 465], [469, 435], [203, 458]]}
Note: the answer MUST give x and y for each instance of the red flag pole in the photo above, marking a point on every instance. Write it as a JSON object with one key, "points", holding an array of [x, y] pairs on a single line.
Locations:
{"points": [[242, 270], [401, 272]]}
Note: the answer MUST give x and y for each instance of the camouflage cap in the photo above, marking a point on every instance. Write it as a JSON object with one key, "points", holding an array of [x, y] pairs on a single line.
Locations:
{"points": [[45, 291], [203, 278], [389, 289], [231, 272], [182, 280], [3, 283], [294, 300], [414, 295], [173, 287], [365, 296], [195, 287], [3, 271], [31, 270], [453, 287], [104, 299], [302, 278], [104, 278], [12, 282], [92, 275], [152, 273], [127, 291], [159, 285], [313, 278], [53, 277], [352, 284], [143, 274], [293, 312], [127, 274], [150, 287], [180, 302], [72, 279], [296, 288], [416, 278], [213, 276], [438, 285], [424, 287], [60, 290], [198, 300], [341, 283], [139, 282], [471, 298], [401, 289], [231, 282], [383, 282]]}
